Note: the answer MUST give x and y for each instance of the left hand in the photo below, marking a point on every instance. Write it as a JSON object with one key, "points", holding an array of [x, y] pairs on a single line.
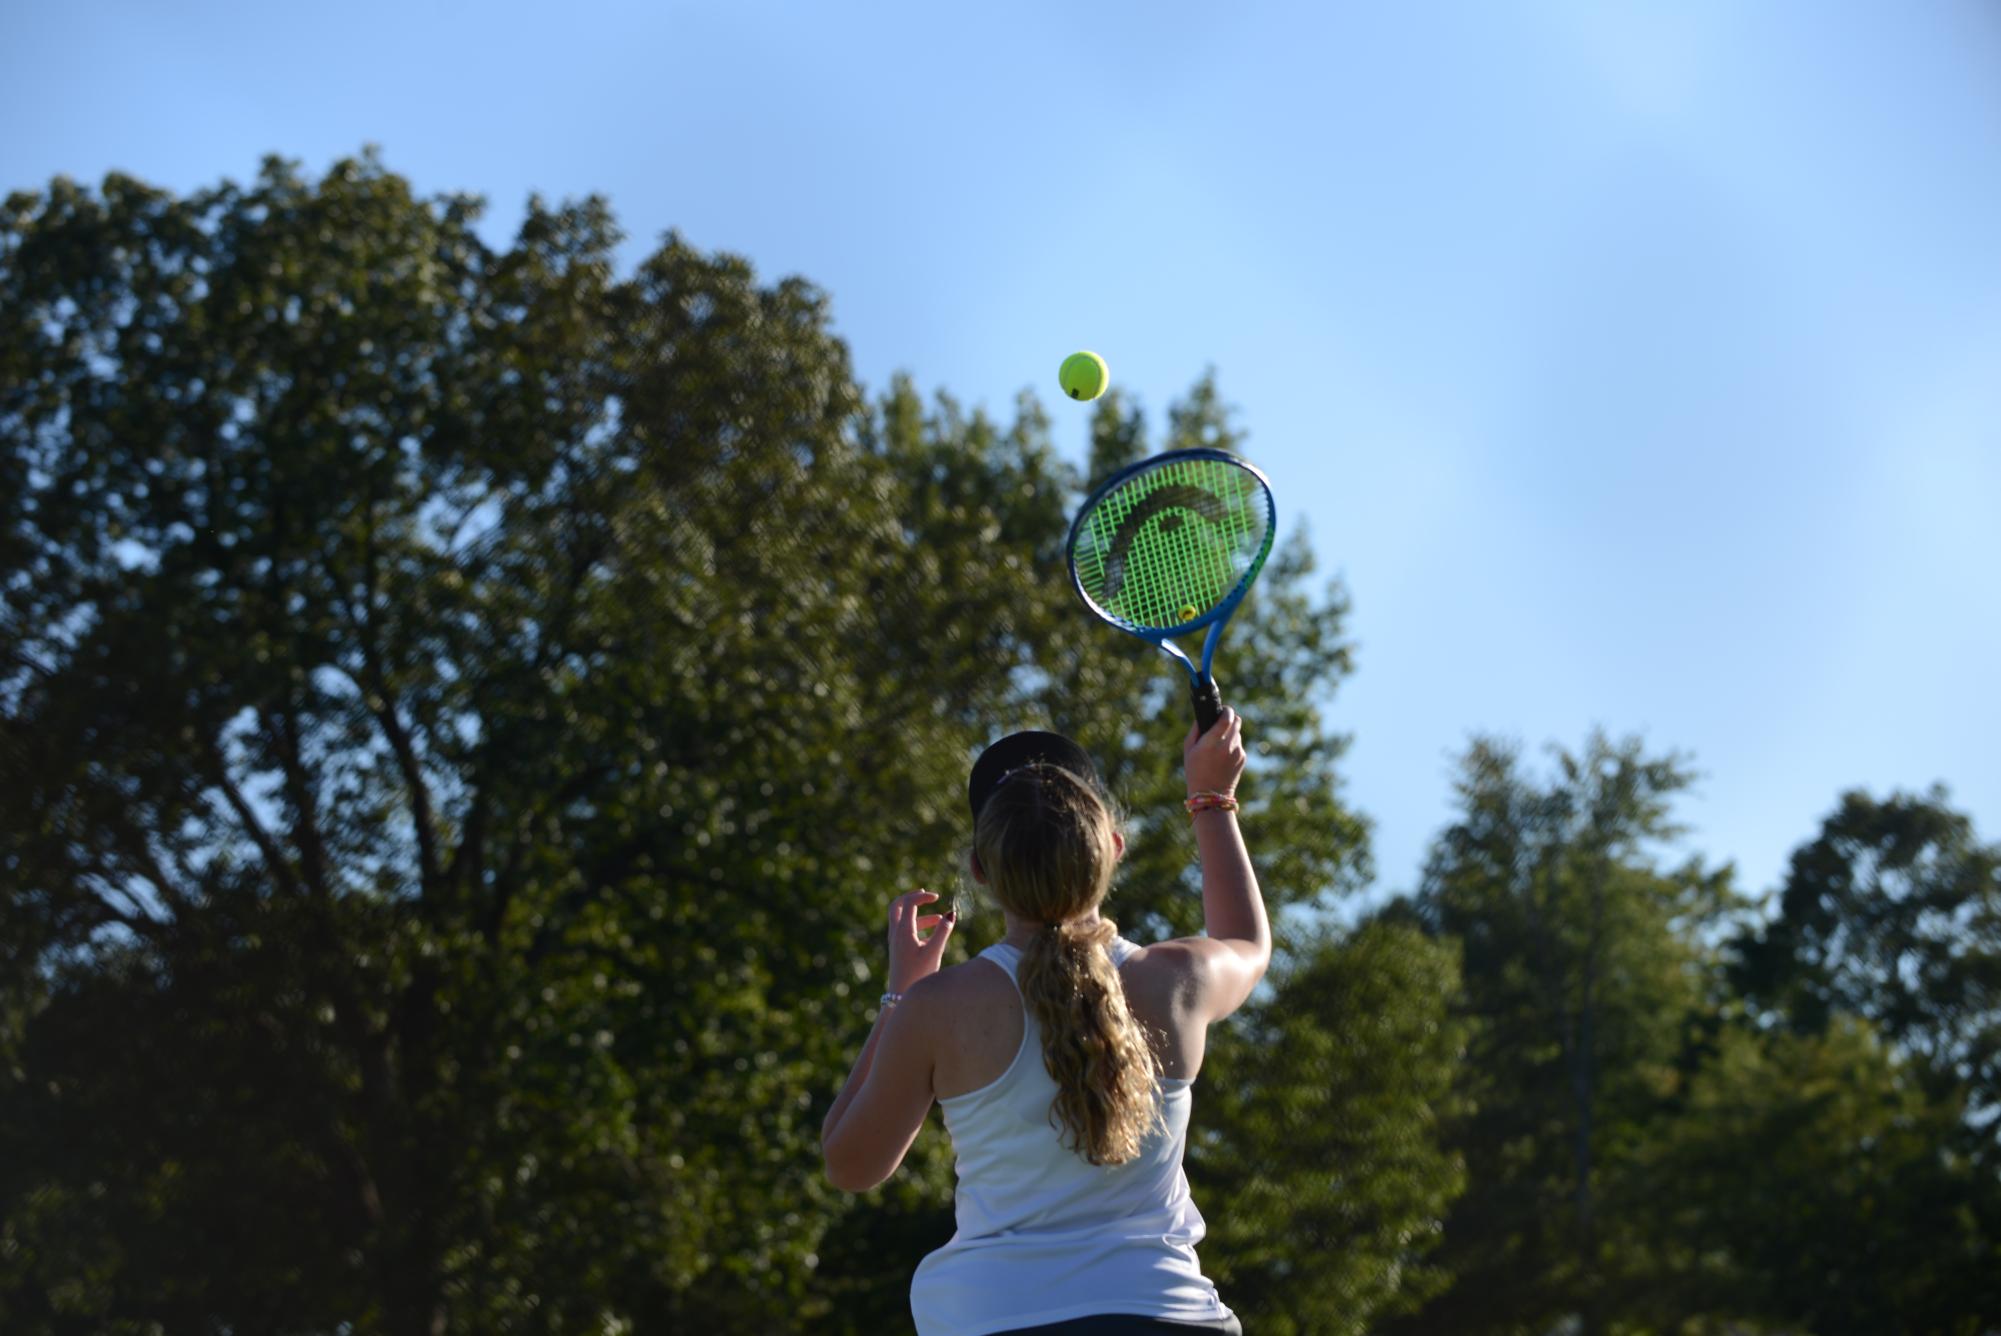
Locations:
{"points": [[912, 957]]}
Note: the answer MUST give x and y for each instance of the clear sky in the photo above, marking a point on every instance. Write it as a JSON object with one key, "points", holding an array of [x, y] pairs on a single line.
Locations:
{"points": [[1635, 365]]}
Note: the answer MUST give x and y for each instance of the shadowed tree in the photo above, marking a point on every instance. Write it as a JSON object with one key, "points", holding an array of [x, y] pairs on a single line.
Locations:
{"points": [[368, 665]]}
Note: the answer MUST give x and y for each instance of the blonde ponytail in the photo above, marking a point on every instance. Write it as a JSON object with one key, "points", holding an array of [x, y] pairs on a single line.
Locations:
{"points": [[1106, 1076], [1046, 841]]}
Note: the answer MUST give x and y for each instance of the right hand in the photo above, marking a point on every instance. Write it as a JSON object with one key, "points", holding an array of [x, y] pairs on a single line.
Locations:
{"points": [[1214, 760]]}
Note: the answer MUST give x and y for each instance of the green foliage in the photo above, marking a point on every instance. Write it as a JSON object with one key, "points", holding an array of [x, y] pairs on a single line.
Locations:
{"points": [[1645, 1152], [465, 714], [1318, 1166], [1580, 967], [418, 769], [1863, 1134], [1806, 1182], [1893, 913]]}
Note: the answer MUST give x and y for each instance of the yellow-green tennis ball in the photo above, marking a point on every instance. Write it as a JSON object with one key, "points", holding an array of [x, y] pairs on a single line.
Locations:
{"points": [[1084, 375], [1188, 611]]}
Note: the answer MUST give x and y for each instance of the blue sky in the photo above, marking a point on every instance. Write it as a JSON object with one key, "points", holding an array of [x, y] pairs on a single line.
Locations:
{"points": [[1635, 365]]}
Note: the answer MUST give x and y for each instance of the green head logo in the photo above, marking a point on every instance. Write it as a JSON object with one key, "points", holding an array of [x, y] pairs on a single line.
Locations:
{"points": [[1170, 557]]}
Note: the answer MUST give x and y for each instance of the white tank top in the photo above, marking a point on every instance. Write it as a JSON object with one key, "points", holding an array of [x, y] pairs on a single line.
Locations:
{"points": [[1044, 1235]]}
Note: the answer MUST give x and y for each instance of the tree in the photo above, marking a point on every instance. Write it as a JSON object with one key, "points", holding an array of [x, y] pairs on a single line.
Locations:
{"points": [[1580, 967], [351, 896], [1882, 963], [463, 714], [1892, 913], [1809, 1182]]}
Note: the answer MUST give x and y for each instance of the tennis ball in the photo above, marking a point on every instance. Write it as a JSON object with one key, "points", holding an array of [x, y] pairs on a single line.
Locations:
{"points": [[1188, 611], [1084, 375]]}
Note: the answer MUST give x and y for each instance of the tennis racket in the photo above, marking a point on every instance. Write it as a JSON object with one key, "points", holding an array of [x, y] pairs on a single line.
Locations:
{"points": [[1168, 547]]}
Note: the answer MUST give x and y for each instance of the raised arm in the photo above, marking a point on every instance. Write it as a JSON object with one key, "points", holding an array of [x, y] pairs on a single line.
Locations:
{"points": [[1234, 955]]}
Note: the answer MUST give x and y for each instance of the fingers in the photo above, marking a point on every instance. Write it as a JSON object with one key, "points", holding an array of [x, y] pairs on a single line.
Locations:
{"points": [[1227, 726], [903, 910], [1217, 760], [1220, 730]]}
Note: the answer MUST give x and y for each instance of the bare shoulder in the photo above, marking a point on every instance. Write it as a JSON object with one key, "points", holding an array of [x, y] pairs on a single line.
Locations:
{"points": [[935, 1007], [1206, 975], [969, 981]]}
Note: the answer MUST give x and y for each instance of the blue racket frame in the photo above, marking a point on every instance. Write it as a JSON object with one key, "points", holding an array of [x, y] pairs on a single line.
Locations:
{"points": [[1202, 682]]}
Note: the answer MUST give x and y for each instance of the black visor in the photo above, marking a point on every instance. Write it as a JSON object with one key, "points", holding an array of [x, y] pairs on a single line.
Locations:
{"points": [[1017, 750]]}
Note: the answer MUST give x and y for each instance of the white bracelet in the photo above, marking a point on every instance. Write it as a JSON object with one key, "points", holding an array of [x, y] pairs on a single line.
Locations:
{"points": [[891, 999]]}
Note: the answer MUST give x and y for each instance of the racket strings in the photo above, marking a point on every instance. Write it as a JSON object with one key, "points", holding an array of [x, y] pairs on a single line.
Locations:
{"points": [[1158, 560]]}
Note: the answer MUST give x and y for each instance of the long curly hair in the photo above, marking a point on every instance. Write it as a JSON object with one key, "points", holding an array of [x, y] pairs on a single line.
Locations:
{"points": [[1044, 839]]}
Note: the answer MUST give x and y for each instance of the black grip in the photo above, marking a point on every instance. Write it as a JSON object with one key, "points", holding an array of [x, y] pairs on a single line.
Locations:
{"points": [[1208, 699]]}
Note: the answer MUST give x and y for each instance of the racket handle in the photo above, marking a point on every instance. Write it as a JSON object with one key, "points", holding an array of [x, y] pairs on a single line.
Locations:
{"points": [[1208, 699]]}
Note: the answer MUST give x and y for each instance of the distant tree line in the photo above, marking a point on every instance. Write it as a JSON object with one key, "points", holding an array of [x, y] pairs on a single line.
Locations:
{"points": [[463, 713]]}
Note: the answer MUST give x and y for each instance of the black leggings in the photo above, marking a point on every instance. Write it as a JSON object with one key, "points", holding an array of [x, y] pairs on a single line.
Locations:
{"points": [[1128, 1324]]}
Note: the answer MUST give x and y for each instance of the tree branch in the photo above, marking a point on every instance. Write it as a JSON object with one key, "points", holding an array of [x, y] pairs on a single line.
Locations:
{"points": [[140, 923], [282, 732], [273, 857], [132, 846]]}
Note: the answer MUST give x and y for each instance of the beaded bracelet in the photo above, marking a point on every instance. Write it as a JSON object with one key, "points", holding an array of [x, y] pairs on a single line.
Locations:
{"points": [[890, 999], [1210, 802]]}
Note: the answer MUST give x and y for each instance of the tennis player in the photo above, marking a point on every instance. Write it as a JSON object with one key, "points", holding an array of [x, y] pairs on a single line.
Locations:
{"points": [[1063, 1056]]}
